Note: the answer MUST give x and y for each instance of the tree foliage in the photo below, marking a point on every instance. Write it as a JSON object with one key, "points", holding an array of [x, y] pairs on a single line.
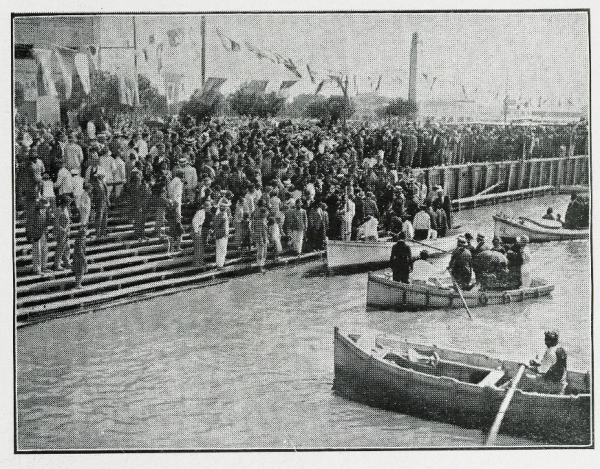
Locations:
{"points": [[404, 108], [330, 109], [247, 102], [201, 107]]}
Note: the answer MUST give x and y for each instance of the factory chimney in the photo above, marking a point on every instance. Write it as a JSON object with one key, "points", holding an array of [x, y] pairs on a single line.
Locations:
{"points": [[412, 79]]}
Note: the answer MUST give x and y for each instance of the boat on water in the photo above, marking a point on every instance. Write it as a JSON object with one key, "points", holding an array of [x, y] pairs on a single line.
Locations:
{"points": [[538, 232], [384, 293], [460, 388], [343, 254]]}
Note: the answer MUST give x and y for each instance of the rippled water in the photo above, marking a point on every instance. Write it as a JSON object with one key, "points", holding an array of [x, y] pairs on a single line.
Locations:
{"points": [[249, 363]]}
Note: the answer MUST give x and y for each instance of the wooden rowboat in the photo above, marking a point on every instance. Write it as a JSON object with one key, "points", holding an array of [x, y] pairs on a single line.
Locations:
{"points": [[383, 292], [508, 229], [460, 388], [342, 254]]}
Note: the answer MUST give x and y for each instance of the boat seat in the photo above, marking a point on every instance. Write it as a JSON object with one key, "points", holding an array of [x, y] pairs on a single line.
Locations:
{"points": [[492, 378]]}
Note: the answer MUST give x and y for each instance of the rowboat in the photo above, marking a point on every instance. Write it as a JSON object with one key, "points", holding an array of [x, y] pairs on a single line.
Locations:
{"points": [[460, 388], [508, 229], [341, 254], [383, 292]]}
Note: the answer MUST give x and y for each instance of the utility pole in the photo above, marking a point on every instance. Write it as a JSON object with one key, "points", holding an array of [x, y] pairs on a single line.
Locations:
{"points": [[203, 58]]}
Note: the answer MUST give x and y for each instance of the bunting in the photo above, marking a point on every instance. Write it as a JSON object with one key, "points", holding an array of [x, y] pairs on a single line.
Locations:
{"points": [[287, 84], [260, 54], [257, 85], [292, 68], [312, 77], [228, 43], [213, 84], [44, 56], [93, 53], [432, 83], [320, 86], [378, 83]]}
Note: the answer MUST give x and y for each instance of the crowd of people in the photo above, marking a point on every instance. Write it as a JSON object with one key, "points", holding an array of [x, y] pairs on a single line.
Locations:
{"points": [[264, 184]]}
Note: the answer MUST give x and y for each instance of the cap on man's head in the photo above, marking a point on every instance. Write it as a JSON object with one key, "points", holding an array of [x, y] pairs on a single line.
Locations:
{"points": [[551, 334], [468, 236], [461, 240]]}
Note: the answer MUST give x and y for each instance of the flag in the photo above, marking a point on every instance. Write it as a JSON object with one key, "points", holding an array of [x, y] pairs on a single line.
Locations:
{"points": [[213, 84], [257, 85], [378, 82], [43, 56], [287, 84], [320, 86], [66, 73], [464, 90], [278, 58], [260, 54], [83, 71], [310, 74], [175, 36], [355, 85], [228, 43], [432, 83], [159, 52], [425, 76], [93, 53], [291, 67], [337, 80]]}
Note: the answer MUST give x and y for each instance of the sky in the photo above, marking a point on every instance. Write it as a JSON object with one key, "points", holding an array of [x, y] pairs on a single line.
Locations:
{"points": [[530, 55]]}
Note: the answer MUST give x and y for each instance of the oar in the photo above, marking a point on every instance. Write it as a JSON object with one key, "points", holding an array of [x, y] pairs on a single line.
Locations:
{"points": [[461, 297], [429, 246], [491, 440]]}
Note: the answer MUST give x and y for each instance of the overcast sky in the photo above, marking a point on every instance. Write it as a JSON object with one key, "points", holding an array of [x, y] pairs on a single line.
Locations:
{"points": [[528, 54]]}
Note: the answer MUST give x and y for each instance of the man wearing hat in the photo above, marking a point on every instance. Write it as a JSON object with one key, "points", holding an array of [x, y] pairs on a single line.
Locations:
{"points": [[401, 260], [523, 242], [552, 368], [190, 179], [175, 189], [63, 231], [64, 182], [37, 234], [100, 203], [482, 245], [460, 264], [221, 229], [140, 198], [199, 233], [73, 155]]}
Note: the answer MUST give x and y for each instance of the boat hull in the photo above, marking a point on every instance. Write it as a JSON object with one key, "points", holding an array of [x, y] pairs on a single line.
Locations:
{"points": [[362, 374], [342, 254], [383, 292], [508, 230]]}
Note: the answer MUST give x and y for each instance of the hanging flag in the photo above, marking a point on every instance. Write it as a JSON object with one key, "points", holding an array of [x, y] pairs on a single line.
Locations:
{"points": [[371, 82], [425, 76], [159, 53], [432, 83], [287, 84], [464, 90], [337, 80], [43, 56], [378, 82], [278, 58], [355, 85], [310, 74], [228, 43], [66, 73], [559, 103], [175, 36], [213, 84], [93, 53], [260, 54], [291, 67], [320, 86], [83, 71], [257, 85]]}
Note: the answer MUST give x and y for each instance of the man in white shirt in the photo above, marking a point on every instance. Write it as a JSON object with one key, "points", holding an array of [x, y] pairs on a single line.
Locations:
{"points": [[63, 184], [108, 166], [73, 155], [142, 146], [119, 176], [421, 224], [190, 179], [552, 369], [348, 213], [423, 272], [197, 235], [175, 189]]}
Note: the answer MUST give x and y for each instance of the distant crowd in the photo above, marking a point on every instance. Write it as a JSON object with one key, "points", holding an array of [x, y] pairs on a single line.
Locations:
{"points": [[264, 184]]}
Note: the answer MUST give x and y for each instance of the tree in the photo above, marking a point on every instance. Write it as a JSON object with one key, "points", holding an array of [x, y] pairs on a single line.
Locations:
{"points": [[154, 102], [201, 107], [317, 108], [404, 108], [255, 103], [340, 107]]}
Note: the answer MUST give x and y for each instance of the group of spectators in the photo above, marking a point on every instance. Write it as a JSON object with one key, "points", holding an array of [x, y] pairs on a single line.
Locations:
{"points": [[278, 185]]}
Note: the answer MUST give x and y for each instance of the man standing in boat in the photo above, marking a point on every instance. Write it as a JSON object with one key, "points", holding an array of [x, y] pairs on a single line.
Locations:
{"points": [[400, 260], [460, 264], [553, 366]]}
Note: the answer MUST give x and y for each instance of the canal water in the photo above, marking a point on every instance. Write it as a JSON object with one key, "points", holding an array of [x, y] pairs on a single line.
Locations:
{"points": [[249, 363]]}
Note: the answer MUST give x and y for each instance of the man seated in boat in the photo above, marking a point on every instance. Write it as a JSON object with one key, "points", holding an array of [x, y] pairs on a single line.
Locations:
{"points": [[423, 272], [482, 245], [551, 370], [497, 245], [549, 214], [460, 264]]}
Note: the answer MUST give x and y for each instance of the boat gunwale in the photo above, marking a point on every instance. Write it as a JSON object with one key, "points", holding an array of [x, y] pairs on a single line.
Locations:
{"points": [[556, 232]]}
